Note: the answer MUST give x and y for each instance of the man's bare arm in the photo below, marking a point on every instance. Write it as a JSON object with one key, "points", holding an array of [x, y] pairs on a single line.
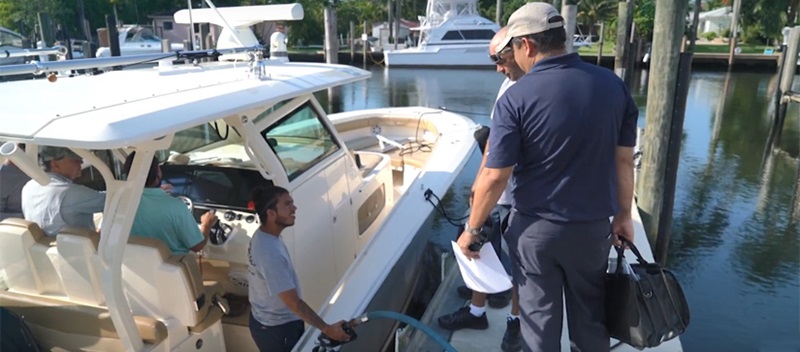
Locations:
{"points": [[308, 315], [622, 225], [624, 161], [301, 308], [488, 188], [478, 175]]}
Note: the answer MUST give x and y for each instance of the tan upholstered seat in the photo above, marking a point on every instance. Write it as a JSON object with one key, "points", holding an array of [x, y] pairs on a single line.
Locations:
{"points": [[164, 286], [28, 257], [80, 277], [76, 325]]}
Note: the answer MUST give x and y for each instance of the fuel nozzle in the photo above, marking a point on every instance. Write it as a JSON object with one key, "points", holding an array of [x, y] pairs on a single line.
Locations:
{"points": [[328, 344]]}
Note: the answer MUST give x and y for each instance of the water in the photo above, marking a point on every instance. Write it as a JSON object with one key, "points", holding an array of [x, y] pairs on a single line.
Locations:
{"points": [[735, 246]]}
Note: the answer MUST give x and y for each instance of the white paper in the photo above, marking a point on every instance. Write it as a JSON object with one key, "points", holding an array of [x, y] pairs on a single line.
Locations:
{"points": [[485, 274]]}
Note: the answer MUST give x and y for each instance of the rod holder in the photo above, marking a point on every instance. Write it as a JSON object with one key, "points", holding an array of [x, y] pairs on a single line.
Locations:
{"points": [[30, 167]]}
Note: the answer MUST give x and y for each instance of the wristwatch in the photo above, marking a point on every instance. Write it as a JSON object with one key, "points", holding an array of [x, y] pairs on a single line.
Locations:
{"points": [[474, 232]]}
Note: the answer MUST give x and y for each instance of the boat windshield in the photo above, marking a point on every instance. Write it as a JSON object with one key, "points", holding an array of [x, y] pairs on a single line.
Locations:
{"points": [[141, 34], [202, 135]]}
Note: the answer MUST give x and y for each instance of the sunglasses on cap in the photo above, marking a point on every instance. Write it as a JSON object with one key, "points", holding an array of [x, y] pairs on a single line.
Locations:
{"points": [[496, 57]]}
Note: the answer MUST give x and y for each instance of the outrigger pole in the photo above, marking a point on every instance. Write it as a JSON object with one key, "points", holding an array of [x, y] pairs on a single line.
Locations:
{"points": [[56, 50], [38, 68]]}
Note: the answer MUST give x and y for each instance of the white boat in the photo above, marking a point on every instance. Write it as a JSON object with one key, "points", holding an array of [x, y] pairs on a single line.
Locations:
{"points": [[452, 34], [359, 179], [136, 40], [10, 41]]}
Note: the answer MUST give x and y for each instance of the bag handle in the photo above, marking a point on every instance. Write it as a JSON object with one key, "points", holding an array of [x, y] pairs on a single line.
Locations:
{"points": [[621, 253]]}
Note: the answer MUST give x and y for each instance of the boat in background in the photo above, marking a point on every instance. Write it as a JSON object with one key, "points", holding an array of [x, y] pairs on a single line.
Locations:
{"points": [[452, 34], [136, 40]]}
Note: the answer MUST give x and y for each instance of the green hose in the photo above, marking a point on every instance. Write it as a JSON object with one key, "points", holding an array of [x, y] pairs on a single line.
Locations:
{"points": [[413, 322]]}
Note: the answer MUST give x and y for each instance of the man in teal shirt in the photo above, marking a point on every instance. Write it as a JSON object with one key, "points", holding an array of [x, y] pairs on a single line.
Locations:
{"points": [[166, 218]]}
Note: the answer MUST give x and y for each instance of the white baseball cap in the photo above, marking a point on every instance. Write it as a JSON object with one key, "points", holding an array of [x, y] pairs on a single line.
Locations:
{"points": [[531, 18]]}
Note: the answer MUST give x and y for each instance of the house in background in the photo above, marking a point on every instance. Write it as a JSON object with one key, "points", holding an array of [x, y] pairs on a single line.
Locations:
{"points": [[407, 32], [716, 20]]}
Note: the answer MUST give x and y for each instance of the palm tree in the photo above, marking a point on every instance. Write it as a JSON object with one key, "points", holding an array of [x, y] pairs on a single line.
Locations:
{"points": [[592, 12]]}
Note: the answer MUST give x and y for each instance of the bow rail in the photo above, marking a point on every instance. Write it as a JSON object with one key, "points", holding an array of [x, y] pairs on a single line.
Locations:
{"points": [[38, 68]]}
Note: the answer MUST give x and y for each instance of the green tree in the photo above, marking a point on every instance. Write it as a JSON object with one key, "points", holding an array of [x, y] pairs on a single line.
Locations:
{"points": [[763, 20], [592, 12], [359, 11], [644, 16], [22, 14]]}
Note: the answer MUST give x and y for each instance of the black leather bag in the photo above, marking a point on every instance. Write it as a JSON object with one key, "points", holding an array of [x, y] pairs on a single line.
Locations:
{"points": [[645, 305]]}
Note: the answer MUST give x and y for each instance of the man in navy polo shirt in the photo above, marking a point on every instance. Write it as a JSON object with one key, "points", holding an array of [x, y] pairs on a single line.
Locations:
{"points": [[569, 127]]}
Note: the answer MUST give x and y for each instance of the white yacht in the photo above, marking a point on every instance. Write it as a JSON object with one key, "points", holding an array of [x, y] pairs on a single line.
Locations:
{"points": [[136, 39], [361, 180], [452, 34]]}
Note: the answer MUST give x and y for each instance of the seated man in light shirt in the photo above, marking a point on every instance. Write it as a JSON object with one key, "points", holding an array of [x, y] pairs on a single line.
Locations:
{"points": [[12, 179], [166, 218], [61, 202]]}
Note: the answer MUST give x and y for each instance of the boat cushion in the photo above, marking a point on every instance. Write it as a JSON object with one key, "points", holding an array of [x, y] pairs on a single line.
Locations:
{"points": [[70, 318], [161, 285], [79, 275], [27, 255]]}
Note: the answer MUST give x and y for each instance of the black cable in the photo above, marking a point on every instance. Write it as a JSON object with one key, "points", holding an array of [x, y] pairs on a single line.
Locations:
{"points": [[227, 131], [438, 206]]}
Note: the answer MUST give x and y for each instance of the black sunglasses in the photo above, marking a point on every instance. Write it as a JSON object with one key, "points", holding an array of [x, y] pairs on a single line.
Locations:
{"points": [[496, 57]]}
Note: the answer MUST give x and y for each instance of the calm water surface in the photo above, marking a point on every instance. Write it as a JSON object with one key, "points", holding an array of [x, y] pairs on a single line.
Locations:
{"points": [[735, 245]]}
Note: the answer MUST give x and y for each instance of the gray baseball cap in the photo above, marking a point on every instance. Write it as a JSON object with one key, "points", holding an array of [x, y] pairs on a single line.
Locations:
{"points": [[531, 18], [55, 153]]}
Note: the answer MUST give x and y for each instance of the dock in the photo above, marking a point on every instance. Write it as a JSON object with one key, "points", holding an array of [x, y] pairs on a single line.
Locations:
{"points": [[709, 61]]}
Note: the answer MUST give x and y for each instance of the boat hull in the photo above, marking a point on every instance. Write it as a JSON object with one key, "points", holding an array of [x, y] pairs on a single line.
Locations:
{"points": [[410, 285], [473, 55]]}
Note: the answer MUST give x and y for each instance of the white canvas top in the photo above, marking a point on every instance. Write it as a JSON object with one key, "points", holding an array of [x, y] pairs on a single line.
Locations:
{"points": [[125, 107]]}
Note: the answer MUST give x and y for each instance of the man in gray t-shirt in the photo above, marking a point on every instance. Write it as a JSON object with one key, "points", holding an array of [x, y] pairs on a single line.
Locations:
{"points": [[277, 312]]}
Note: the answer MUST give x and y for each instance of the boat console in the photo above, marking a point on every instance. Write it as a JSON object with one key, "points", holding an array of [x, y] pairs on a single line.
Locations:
{"points": [[225, 191]]}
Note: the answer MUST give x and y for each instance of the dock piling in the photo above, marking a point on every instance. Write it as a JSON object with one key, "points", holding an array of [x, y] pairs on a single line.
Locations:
{"points": [[624, 21], [331, 42], [398, 15], [352, 37], [737, 6], [45, 25], [498, 14], [364, 46], [600, 44], [785, 94], [570, 14], [664, 127]]}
